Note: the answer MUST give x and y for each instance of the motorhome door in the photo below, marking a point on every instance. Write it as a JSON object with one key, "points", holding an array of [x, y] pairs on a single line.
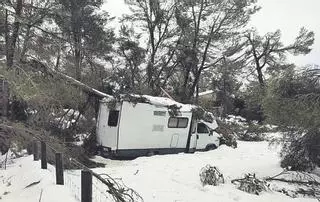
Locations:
{"points": [[193, 139], [108, 124], [206, 140]]}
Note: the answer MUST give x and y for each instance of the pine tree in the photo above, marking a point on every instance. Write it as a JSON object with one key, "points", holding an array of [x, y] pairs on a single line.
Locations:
{"points": [[209, 31], [84, 28], [268, 52]]}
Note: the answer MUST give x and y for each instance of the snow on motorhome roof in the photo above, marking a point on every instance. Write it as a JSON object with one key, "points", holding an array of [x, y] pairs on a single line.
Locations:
{"points": [[157, 101], [163, 101]]}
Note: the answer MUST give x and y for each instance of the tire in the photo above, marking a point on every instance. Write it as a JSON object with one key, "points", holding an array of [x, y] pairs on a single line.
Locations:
{"points": [[210, 147]]}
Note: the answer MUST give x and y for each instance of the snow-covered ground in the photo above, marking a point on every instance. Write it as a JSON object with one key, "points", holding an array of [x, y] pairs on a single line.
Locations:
{"points": [[176, 177], [16, 183], [158, 178]]}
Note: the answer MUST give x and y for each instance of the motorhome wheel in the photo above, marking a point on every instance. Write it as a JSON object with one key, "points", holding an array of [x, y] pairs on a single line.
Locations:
{"points": [[211, 147]]}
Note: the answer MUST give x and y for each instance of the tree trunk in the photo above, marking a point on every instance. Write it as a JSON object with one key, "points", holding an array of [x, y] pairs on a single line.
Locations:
{"points": [[56, 67], [25, 43], [76, 30], [149, 75], [197, 95], [151, 69], [132, 70], [184, 90], [6, 27], [77, 60], [260, 76], [11, 46], [194, 85]]}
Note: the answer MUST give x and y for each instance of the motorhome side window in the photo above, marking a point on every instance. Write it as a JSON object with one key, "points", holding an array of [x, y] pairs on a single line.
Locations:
{"points": [[113, 118], [177, 122], [159, 113], [202, 128]]}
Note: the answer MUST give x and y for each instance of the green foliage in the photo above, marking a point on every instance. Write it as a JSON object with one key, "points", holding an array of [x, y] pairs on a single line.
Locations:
{"points": [[37, 89], [245, 131], [225, 85], [249, 102], [292, 102], [156, 20], [199, 113], [132, 56], [253, 132], [228, 132], [210, 34], [303, 42], [301, 150], [253, 95], [46, 98], [15, 136], [81, 23], [268, 54]]}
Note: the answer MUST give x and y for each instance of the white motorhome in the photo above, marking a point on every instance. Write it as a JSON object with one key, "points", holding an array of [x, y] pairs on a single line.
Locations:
{"points": [[134, 128]]}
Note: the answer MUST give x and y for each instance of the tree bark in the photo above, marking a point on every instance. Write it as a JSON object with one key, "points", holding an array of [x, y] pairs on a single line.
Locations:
{"points": [[11, 46], [76, 31], [56, 67], [6, 27], [194, 84], [25, 43], [260, 76], [185, 84]]}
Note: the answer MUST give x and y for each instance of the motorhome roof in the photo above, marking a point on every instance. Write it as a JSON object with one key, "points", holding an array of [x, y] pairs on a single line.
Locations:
{"points": [[157, 101], [163, 101]]}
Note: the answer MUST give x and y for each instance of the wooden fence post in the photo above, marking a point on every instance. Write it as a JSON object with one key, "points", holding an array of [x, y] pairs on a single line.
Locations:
{"points": [[59, 169], [86, 186], [35, 148], [43, 155]]}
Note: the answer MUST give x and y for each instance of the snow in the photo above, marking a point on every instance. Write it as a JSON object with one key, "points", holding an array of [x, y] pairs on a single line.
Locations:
{"points": [[208, 92], [22, 172], [235, 119], [176, 177], [163, 101], [213, 125], [158, 178]]}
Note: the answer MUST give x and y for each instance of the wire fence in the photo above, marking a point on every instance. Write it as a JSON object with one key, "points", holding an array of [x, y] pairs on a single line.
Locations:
{"points": [[84, 184]]}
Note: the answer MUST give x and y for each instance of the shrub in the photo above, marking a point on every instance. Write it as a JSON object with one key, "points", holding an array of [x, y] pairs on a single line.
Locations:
{"points": [[251, 184], [252, 132], [228, 136], [301, 152], [210, 175], [292, 102]]}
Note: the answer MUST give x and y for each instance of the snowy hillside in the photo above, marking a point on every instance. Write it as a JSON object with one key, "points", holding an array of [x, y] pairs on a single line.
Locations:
{"points": [[158, 178]]}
